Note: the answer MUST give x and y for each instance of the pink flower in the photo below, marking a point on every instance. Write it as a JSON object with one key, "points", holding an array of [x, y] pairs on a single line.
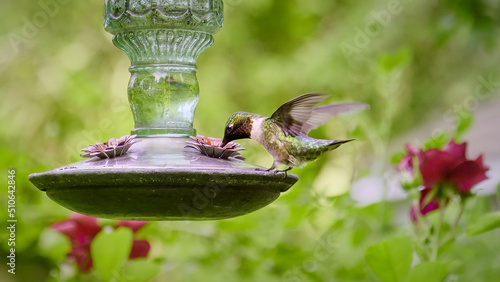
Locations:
{"points": [[427, 205], [140, 249], [82, 229], [406, 164], [451, 166], [441, 169], [415, 211], [132, 224], [423, 206]]}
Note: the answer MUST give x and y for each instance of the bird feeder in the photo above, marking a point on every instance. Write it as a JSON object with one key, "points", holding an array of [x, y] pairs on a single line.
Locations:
{"points": [[158, 178]]}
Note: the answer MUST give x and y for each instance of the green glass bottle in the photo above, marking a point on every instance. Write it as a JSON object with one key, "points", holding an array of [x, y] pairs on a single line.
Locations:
{"points": [[162, 39]]}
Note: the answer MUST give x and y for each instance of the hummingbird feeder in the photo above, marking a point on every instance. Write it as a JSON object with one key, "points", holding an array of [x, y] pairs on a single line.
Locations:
{"points": [[158, 178]]}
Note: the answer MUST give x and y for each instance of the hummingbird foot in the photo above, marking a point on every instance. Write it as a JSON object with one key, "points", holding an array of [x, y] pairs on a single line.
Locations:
{"points": [[260, 169], [276, 171], [269, 169], [284, 170]]}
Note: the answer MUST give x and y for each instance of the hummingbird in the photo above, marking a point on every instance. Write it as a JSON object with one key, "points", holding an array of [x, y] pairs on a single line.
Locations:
{"points": [[284, 134]]}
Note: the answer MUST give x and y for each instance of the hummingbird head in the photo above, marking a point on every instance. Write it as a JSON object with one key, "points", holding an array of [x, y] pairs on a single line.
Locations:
{"points": [[238, 126]]}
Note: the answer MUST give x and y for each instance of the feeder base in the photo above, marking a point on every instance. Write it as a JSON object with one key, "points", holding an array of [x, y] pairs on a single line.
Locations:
{"points": [[158, 179]]}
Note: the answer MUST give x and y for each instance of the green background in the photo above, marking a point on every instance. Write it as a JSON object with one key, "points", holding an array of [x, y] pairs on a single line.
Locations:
{"points": [[63, 86]]}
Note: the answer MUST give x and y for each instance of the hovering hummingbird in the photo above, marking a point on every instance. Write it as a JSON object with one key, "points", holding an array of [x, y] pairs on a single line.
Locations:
{"points": [[284, 134]]}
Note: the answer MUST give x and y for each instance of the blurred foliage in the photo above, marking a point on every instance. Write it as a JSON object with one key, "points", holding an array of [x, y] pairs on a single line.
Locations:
{"points": [[63, 86]]}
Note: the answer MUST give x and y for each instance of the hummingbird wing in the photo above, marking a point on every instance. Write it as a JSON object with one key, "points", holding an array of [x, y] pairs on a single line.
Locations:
{"points": [[292, 115], [322, 114]]}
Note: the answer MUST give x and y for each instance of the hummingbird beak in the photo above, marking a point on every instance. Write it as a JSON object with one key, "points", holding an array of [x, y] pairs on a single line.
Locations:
{"points": [[224, 142]]}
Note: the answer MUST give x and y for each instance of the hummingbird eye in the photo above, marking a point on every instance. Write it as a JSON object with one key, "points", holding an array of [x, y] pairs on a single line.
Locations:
{"points": [[230, 128]]}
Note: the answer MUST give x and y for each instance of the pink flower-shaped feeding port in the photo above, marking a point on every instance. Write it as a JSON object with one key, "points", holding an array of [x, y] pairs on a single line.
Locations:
{"points": [[210, 146], [112, 148]]}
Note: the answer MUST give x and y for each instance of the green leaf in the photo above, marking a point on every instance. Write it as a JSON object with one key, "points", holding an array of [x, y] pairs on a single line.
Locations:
{"points": [[54, 245], [391, 259], [397, 157], [464, 121], [388, 62], [140, 270], [110, 251], [429, 272], [359, 235], [485, 223], [438, 141]]}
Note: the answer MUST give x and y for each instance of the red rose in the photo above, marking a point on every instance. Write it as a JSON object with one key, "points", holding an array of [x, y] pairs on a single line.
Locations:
{"points": [[451, 166], [82, 229]]}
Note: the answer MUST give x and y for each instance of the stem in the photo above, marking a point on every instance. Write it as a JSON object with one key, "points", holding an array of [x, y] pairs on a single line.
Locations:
{"points": [[459, 216], [421, 229], [423, 252], [435, 248], [417, 227]]}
